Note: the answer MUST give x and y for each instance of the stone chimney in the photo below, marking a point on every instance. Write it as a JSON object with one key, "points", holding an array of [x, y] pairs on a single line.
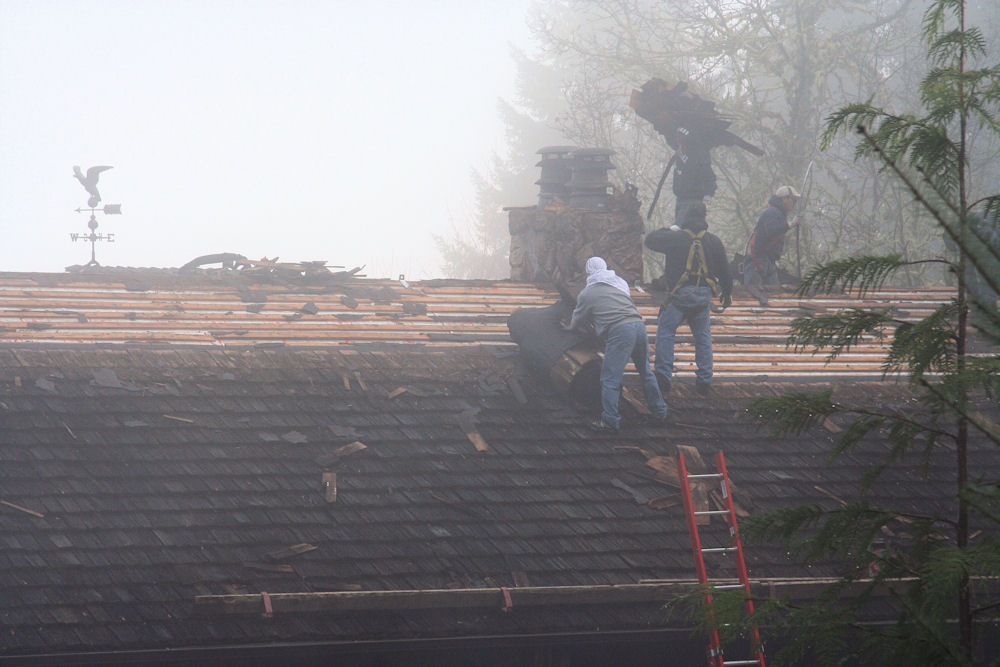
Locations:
{"points": [[575, 219]]}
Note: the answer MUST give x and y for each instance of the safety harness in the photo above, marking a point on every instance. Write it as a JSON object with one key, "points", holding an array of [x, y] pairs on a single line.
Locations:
{"points": [[696, 267]]}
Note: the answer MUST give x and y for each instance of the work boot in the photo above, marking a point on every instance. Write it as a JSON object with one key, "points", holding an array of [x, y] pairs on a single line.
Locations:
{"points": [[599, 426], [703, 388]]}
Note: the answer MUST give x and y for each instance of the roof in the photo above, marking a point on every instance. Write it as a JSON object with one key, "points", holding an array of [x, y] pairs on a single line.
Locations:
{"points": [[231, 310], [391, 441]]}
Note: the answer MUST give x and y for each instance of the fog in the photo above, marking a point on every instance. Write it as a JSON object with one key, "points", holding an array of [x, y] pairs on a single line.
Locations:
{"points": [[304, 130]]}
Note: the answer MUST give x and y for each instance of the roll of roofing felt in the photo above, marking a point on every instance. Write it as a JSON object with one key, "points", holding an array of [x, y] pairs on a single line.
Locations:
{"points": [[568, 359]]}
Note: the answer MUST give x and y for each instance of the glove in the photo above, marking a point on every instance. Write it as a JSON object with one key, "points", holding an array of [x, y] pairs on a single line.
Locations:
{"points": [[726, 301]]}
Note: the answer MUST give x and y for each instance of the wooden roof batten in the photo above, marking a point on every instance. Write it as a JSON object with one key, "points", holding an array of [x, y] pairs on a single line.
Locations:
{"points": [[234, 310]]}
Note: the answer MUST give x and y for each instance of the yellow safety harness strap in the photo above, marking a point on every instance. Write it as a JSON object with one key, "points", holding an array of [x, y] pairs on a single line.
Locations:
{"points": [[696, 266]]}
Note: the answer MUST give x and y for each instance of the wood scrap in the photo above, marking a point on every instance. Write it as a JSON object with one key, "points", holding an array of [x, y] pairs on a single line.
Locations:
{"points": [[22, 509], [270, 567], [719, 503], [349, 448], [664, 502], [330, 486], [700, 488], [692, 458], [290, 551], [830, 495], [179, 419], [666, 469], [477, 440], [632, 400]]}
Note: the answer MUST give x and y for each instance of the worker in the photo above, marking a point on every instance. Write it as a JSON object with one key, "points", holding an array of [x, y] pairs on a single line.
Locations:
{"points": [[695, 269], [693, 176], [605, 304], [768, 241]]}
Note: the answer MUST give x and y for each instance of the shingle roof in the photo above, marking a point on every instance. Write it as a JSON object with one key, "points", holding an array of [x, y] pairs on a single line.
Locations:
{"points": [[138, 476]]}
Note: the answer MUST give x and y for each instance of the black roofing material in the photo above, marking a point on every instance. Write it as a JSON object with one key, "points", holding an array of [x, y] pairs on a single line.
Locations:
{"points": [[145, 498]]}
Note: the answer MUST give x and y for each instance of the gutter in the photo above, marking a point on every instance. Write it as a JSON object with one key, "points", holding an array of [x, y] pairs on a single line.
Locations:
{"points": [[649, 591]]}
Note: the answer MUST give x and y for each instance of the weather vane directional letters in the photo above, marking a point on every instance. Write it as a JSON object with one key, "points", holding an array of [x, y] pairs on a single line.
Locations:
{"points": [[89, 182]]}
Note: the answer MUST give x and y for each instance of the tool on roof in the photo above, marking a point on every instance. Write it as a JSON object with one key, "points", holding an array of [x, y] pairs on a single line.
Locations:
{"points": [[735, 548]]}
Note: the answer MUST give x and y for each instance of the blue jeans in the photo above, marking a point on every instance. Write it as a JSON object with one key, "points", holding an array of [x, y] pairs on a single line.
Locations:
{"points": [[624, 341], [764, 274], [693, 303], [681, 207]]}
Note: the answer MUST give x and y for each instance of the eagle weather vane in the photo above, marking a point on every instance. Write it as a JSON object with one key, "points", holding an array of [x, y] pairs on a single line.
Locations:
{"points": [[89, 183]]}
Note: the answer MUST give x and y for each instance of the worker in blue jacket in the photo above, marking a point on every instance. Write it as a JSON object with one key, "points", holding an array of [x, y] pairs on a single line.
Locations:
{"points": [[768, 241]]}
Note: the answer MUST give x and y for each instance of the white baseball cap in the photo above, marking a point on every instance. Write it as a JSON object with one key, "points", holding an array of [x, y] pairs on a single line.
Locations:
{"points": [[787, 191]]}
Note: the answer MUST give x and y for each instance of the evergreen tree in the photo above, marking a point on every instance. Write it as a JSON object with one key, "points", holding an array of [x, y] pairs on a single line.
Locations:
{"points": [[479, 248], [937, 575], [778, 67]]}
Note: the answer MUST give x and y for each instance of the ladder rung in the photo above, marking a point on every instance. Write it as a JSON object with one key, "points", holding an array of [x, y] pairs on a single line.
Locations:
{"points": [[708, 512], [714, 475], [727, 586], [741, 662], [718, 550]]}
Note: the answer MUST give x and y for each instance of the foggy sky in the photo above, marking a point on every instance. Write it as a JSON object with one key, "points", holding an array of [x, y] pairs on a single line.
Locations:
{"points": [[307, 130]]}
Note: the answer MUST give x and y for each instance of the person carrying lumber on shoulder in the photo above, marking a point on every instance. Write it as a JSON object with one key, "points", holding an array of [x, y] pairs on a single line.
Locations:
{"points": [[695, 270], [693, 176], [606, 305], [768, 241]]}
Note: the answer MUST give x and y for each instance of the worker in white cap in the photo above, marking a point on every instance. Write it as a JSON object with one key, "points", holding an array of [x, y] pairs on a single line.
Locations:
{"points": [[768, 241]]}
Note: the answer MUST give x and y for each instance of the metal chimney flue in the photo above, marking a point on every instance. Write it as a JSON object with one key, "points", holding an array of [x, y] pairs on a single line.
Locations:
{"points": [[588, 185], [557, 169]]}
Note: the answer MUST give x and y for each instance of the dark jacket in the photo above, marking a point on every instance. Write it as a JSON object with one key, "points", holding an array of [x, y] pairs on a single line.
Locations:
{"points": [[769, 234], [675, 245], [693, 175]]}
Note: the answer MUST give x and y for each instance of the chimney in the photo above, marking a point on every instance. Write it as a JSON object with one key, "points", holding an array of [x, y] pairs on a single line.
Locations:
{"points": [[557, 168], [576, 218], [588, 186]]}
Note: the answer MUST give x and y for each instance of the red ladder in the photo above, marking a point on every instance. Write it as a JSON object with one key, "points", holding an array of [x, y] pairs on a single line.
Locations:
{"points": [[735, 547]]}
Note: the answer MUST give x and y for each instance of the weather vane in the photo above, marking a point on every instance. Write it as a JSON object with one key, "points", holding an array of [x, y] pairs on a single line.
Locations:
{"points": [[89, 183]]}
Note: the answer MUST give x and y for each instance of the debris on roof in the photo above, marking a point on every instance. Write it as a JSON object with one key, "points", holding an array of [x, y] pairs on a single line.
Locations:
{"points": [[206, 497]]}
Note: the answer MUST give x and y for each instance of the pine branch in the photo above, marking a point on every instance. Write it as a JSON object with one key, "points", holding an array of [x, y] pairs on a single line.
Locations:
{"points": [[930, 631], [956, 237], [924, 346], [861, 274], [985, 499], [839, 332], [986, 427]]}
